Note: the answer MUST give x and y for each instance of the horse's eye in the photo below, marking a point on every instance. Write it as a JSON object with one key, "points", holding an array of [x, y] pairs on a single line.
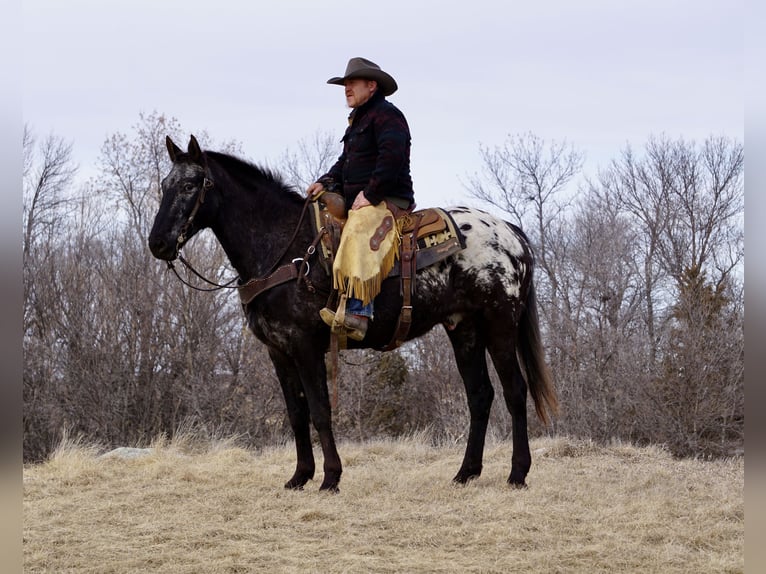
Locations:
{"points": [[188, 187]]}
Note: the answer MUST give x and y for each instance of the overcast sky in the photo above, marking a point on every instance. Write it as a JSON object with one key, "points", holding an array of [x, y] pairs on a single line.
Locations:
{"points": [[596, 73]]}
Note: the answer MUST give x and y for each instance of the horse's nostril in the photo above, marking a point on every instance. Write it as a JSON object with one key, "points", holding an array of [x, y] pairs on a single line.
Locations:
{"points": [[161, 249], [155, 245]]}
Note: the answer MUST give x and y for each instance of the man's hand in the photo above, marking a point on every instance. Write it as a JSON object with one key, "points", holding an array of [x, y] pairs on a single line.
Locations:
{"points": [[314, 189], [360, 201]]}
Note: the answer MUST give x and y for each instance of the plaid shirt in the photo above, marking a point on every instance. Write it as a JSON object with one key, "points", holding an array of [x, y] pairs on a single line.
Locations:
{"points": [[376, 155]]}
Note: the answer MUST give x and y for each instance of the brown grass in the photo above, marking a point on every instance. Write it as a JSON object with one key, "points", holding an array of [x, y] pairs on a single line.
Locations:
{"points": [[219, 508]]}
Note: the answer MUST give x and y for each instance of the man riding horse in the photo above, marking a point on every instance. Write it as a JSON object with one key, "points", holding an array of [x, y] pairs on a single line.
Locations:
{"points": [[373, 175], [482, 291]]}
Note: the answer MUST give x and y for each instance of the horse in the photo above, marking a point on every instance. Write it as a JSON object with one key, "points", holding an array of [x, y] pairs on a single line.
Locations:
{"points": [[484, 296]]}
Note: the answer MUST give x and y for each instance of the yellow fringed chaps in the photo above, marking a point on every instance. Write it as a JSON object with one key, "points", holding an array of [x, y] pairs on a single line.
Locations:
{"points": [[358, 270]]}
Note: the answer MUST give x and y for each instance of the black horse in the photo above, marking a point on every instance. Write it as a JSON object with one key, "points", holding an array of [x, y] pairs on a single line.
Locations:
{"points": [[484, 296]]}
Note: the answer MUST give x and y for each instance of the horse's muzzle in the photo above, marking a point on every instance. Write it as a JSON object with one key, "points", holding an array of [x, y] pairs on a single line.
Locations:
{"points": [[162, 249]]}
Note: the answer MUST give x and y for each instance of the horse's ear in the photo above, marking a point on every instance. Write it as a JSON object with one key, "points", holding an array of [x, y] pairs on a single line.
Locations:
{"points": [[194, 150], [173, 150]]}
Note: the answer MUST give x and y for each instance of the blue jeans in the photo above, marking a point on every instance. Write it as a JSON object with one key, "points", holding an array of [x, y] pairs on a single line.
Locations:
{"points": [[355, 307]]}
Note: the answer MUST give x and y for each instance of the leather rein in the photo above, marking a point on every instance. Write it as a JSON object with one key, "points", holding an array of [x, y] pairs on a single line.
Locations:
{"points": [[250, 289]]}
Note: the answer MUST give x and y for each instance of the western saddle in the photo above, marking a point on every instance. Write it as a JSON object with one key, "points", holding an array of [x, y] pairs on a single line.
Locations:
{"points": [[428, 236]]}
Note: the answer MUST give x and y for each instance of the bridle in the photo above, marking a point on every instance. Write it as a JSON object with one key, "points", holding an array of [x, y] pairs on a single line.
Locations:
{"points": [[181, 239], [207, 184]]}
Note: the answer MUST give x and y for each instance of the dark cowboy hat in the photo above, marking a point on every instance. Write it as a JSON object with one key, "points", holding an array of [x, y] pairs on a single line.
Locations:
{"points": [[363, 68]]}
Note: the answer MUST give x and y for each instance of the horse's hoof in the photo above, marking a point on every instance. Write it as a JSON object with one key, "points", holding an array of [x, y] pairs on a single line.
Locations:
{"points": [[297, 482], [465, 476], [331, 481], [516, 483]]}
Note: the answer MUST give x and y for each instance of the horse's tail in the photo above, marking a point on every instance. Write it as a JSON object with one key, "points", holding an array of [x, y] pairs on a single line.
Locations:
{"points": [[532, 358]]}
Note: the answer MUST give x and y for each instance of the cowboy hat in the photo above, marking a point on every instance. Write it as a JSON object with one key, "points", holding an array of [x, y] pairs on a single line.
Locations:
{"points": [[363, 68]]}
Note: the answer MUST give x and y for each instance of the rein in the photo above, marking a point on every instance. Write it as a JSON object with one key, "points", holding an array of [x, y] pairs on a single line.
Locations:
{"points": [[215, 286]]}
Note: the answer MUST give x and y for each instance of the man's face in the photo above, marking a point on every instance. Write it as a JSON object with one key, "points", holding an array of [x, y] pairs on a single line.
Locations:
{"points": [[358, 91]]}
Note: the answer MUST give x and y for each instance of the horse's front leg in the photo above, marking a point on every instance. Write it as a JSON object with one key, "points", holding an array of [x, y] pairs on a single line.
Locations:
{"points": [[298, 413], [313, 373]]}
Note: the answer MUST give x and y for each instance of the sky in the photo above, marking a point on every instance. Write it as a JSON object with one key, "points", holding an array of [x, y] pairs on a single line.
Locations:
{"points": [[599, 74]]}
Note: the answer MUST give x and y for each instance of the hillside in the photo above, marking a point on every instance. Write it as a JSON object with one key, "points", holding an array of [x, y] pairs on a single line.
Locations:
{"points": [[187, 507]]}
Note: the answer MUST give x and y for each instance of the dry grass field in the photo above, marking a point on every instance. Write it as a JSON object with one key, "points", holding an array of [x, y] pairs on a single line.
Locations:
{"points": [[196, 508]]}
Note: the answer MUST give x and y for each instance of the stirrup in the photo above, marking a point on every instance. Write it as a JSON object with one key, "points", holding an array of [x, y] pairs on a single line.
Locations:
{"points": [[342, 324]]}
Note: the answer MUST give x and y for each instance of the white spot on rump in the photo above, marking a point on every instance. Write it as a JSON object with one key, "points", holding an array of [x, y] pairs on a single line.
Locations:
{"points": [[489, 242]]}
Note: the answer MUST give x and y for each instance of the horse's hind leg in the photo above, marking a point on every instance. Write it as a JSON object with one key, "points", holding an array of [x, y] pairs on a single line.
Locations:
{"points": [[468, 345], [502, 348], [298, 413]]}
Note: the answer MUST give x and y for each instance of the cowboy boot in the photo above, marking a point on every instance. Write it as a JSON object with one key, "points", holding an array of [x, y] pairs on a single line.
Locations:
{"points": [[355, 325]]}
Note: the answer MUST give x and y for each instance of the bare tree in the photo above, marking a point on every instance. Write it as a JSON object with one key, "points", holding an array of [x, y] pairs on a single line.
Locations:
{"points": [[641, 188], [527, 178], [115, 347], [641, 275], [688, 205], [47, 176], [311, 158], [707, 205], [132, 169], [48, 171], [47, 201], [597, 342]]}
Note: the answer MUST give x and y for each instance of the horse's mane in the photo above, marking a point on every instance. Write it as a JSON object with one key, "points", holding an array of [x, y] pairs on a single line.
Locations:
{"points": [[243, 170]]}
